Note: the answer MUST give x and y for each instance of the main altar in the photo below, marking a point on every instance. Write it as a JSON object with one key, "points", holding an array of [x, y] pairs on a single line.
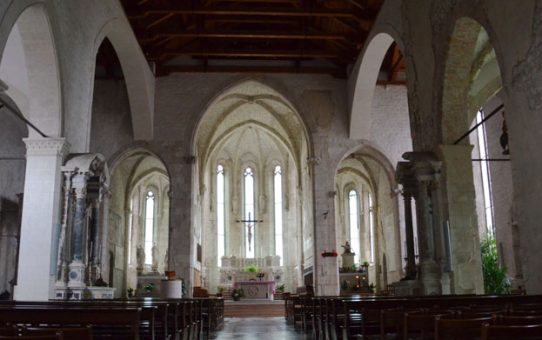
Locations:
{"points": [[256, 290], [258, 277]]}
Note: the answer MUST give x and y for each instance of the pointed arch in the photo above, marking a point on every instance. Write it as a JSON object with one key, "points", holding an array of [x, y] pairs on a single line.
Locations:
{"points": [[138, 76]]}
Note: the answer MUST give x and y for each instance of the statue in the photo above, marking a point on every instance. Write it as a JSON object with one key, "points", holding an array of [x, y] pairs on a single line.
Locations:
{"points": [[347, 248]]}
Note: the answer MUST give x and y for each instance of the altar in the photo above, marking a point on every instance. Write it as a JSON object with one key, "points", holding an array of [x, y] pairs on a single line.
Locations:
{"points": [[257, 290]]}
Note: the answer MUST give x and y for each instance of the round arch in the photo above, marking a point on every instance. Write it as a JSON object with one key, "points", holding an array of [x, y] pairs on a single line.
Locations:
{"points": [[365, 80], [29, 65]]}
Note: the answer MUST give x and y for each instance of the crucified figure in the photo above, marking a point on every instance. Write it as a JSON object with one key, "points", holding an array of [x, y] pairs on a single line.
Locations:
{"points": [[249, 234]]}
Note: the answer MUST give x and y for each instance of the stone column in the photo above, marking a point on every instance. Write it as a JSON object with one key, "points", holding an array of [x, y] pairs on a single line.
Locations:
{"points": [[406, 178], [459, 203], [326, 269], [77, 265], [40, 218], [409, 234], [429, 268]]}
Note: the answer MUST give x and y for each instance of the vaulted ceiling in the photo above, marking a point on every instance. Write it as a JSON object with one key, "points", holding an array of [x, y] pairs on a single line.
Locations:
{"points": [[253, 36]]}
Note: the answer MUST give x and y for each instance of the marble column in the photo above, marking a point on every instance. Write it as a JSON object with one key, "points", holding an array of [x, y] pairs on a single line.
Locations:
{"points": [[40, 218], [77, 265]]}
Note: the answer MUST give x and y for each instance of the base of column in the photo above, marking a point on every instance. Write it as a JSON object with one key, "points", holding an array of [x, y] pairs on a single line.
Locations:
{"points": [[430, 277], [76, 276]]}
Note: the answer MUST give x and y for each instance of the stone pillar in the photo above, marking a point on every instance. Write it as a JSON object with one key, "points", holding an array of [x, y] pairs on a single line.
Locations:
{"points": [[326, 269], [426, 173], [406, 178], [77, 265], [40, 219], [459, 203], [409, 234]]}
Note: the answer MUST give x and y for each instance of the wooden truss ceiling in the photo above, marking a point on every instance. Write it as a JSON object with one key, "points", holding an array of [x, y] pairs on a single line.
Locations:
{"points": [[254, 36]]}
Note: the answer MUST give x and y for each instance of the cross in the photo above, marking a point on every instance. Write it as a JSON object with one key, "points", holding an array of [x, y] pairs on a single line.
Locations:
{"points": [[249, 227]]}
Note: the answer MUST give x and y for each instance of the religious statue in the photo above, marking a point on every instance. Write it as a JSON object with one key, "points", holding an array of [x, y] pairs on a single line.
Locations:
{"points": [[249, 233], [347, 248]]}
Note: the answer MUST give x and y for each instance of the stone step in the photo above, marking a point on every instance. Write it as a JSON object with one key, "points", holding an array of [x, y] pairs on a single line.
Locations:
{"points": [[251, 309]]}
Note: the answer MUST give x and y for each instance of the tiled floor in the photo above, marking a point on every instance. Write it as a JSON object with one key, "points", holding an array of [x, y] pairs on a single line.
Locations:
{"points": [[270, 328]]}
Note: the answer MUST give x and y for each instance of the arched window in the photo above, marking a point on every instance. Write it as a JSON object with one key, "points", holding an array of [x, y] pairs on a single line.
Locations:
{"points": [[353, 213], [486, 176], [371, 229], [149, 227], [130, 229], [220, 211], [249, 213], [277, 185]]}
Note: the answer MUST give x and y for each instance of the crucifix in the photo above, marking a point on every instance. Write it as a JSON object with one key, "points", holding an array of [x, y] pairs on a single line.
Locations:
{"points": [[249, 224]]}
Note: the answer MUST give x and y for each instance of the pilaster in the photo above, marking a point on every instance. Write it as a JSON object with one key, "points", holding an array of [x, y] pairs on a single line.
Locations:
{"points": [[40, 224]]}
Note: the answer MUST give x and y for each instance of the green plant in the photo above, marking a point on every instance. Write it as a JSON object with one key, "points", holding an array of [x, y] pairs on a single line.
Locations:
{"points": [[496, 281], [237, 294], [280, 289], [130, 292], [149, 287], [251, 269]]}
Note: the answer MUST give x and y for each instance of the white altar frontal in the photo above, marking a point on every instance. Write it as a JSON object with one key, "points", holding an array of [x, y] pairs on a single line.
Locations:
{"points": [[256, 290]]}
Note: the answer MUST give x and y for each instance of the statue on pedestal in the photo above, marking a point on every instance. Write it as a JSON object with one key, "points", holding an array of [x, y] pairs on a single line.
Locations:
{"points": [[348, 256], [347, 248]]}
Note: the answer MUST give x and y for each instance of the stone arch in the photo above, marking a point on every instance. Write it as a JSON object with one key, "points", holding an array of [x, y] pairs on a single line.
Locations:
{"points": [[138, 76], [373, 167], [133, 170], [250, 123], [471, 76], [29, 66], [365, 80]]}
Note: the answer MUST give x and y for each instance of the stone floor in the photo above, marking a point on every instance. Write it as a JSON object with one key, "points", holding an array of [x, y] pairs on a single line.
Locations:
{"points": [[270, 328]]}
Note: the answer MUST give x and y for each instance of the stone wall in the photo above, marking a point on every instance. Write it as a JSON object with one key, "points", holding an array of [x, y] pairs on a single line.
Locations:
{"points": [[12, 169]]}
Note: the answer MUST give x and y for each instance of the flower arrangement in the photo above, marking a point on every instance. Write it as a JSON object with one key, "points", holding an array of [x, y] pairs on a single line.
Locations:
{"points": [[332, 253]]}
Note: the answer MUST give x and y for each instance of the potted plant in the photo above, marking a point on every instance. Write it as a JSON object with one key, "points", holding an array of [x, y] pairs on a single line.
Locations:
{"points": [[251, 269], [237, 294]]}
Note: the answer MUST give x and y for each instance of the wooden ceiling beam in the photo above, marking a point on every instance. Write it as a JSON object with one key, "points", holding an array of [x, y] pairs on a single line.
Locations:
{"points": [[160, 20], [145, 11], [339, 72], [245, 35], [293, 54]]}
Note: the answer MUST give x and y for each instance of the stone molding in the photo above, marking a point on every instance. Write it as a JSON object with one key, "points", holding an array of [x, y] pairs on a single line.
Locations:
{"points": [[46, 147]]}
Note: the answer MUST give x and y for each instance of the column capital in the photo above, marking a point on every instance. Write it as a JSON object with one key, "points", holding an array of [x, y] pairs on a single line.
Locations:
{"points": [[46, 146]]}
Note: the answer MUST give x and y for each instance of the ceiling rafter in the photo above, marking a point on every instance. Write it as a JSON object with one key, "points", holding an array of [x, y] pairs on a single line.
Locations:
{"points": [[316, 36]]}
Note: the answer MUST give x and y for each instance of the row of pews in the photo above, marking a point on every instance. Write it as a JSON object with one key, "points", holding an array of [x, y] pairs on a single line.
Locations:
{"points": [[147, 318], [425, 317]]}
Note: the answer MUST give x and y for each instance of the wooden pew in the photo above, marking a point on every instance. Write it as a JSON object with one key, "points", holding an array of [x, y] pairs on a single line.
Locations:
{"points": [[122, 322]]}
